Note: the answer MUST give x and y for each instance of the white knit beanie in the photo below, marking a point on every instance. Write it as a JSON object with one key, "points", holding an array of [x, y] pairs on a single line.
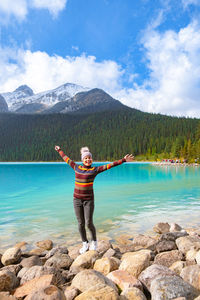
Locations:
{"points": [[85, 152]]}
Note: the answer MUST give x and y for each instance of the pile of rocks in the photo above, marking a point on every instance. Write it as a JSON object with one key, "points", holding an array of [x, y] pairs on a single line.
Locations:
{"points": [[162, 266]]}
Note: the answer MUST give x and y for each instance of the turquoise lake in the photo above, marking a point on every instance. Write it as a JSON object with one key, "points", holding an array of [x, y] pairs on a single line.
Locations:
{"points": [[36, 200]]}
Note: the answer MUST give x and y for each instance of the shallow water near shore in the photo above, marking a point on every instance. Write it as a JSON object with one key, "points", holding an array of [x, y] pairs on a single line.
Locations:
{"points": [[36, 200]]}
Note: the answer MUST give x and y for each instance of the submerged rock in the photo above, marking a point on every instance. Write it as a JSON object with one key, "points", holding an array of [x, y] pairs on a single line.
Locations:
{"points": [[45, 244], [161, 227]]}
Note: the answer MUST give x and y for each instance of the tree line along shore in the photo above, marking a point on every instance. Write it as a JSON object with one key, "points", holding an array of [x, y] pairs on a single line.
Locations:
{"points": [[109, 135]]}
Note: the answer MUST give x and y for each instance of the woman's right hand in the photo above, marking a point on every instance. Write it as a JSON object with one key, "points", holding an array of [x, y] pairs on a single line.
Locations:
{"points": [[57, 148]]}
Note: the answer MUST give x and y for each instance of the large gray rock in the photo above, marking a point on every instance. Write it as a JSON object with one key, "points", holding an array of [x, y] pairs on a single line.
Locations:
{"points": [[59, 261], [50, 292], [8, 281], [152, 272], [163, 246], [168, 258], [11, 256], [12, 268], [172, 236], [170, 287], [187, 243], [89, 278], [38, 271], [55, 250], [144, 241], [31, 261], [191, 274]]}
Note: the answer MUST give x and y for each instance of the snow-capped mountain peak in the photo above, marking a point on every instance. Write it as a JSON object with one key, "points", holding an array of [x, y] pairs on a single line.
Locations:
{"points": [[24, 95]]}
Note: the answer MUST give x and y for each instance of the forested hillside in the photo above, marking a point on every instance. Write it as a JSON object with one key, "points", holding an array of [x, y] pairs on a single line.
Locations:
{"points": [[109, 135]]}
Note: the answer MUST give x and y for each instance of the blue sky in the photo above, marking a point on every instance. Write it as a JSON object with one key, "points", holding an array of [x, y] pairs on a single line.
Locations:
{"points": [[146, 53]]}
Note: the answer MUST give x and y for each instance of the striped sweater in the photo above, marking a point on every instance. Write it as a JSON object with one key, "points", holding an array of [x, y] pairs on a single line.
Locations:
{"points": [[84, 176]]}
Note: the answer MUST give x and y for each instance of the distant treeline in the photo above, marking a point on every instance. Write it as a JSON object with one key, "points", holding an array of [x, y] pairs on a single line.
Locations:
{"points": [[110, 135]]}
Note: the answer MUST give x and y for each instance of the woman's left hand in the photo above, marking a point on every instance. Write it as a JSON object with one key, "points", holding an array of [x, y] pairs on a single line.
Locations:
{"points": [[129, 157]]}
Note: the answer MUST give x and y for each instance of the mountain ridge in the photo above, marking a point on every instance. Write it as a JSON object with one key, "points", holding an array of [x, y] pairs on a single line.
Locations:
{"points": [[24, 95]]}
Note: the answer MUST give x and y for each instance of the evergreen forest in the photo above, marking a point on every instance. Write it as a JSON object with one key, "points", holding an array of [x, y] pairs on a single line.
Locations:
{"points": [[109, 135]]}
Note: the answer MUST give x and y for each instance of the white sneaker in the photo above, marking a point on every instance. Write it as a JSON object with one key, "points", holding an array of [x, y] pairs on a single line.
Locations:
{"points": [[93, 245], [84, 248]]}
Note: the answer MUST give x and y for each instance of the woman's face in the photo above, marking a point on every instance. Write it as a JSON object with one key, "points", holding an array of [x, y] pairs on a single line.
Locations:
{"points": [[87, 161]]}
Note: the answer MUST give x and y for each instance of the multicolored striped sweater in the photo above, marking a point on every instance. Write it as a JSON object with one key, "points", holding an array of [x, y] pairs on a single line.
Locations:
{"points": [[84, 176]]}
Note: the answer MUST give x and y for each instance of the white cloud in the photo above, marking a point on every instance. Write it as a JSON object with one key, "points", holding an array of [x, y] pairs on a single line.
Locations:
{"points": [[42, 72], [54, 6], [17, 8], [173, 60], [174, 84]]}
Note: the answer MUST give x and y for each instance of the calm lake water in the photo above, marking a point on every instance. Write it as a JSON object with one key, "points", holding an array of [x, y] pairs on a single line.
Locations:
{"points": [[36, 200]]}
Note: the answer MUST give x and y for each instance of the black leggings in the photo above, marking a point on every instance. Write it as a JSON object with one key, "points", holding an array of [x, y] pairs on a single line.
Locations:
{"points": [[84, 213]]}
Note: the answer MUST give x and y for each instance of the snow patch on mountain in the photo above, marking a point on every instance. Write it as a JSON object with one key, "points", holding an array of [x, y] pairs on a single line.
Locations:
{"points": [[24, 95]]}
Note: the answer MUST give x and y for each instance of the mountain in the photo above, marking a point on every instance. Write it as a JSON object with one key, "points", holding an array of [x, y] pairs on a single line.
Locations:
{"points": [[3, 105], [91, 101], [14, 99], [23, 99]]}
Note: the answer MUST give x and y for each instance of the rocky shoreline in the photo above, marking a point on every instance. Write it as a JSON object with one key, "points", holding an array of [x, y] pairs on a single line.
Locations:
{"points": [[162, 266]]}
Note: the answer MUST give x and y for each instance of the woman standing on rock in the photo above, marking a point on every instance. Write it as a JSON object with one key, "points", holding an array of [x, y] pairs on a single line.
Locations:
{"points": [[83, 192]]}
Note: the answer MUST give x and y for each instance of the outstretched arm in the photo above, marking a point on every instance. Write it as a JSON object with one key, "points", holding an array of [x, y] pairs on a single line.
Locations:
{"points": [[65, 157], [127, 158]]}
